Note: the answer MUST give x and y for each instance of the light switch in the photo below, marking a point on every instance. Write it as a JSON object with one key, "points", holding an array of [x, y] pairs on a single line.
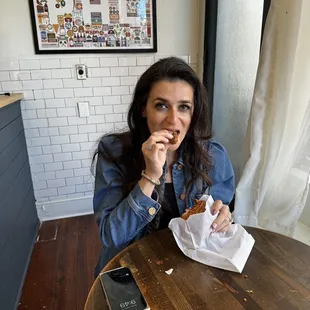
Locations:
{"points": [[83, 109]]}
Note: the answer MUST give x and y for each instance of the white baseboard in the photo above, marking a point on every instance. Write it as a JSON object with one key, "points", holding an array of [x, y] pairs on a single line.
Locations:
{"points": [[53, 210]]}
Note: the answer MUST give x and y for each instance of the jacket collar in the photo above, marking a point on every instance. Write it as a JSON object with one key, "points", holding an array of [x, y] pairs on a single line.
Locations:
{"points": [[180, 154], [179, 160]]}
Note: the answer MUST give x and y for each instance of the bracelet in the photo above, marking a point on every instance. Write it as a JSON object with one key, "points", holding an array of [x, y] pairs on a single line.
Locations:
{"points": [[155, 182]]}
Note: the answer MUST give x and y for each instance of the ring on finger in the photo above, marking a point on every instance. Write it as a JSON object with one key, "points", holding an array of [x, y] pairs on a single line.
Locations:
{"points": [[230, 219], [149, 147]]}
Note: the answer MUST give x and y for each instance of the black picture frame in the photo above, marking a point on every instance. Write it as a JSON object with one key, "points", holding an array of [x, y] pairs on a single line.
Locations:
{"points": [[105, 50]]}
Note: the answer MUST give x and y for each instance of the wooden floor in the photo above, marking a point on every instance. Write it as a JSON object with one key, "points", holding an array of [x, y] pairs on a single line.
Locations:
{"points": [[61, 269]]}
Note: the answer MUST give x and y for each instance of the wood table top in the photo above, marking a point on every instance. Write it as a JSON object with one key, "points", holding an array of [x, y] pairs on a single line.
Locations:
{"points": [[6, 100], [276, 276]]}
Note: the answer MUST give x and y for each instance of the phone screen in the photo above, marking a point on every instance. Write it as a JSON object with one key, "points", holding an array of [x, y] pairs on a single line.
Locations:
{"points": [[121, 290]]}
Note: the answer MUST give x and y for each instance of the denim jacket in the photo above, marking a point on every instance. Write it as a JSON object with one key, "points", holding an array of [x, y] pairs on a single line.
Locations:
{"points": [[123, 221]]}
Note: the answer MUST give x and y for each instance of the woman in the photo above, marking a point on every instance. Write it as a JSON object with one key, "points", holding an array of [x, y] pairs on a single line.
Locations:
{"points": [[143, 180]]}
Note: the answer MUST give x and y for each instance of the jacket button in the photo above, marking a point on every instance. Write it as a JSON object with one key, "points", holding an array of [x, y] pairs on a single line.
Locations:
{"points": [[182, 196], [179, 167], [152, 211]]}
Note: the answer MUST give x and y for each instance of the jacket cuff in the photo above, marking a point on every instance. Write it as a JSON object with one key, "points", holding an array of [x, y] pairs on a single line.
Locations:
{"points": [[143, 205]]}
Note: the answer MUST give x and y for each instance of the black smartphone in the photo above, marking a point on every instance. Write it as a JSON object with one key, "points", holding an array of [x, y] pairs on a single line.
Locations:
{"points": [[121, 290]]}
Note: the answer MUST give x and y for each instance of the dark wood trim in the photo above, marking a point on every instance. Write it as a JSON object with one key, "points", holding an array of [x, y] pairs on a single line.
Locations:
{"points": [[265, 14], [211, 11], [210, 49]]}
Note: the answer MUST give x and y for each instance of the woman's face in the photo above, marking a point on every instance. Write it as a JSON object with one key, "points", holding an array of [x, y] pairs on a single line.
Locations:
{"points": [[170, 106]]}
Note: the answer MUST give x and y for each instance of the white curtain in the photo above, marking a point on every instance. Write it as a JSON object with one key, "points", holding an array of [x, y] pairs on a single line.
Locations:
{"points": [[275, 180]]}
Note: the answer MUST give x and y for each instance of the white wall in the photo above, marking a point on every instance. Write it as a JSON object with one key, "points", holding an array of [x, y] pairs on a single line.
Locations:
{"points": [[177, 27], [59, 142], [237, 51]]}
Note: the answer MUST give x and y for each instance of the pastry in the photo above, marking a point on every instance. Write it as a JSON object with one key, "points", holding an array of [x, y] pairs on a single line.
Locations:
{"points": [[175, 139], [200, 207]]}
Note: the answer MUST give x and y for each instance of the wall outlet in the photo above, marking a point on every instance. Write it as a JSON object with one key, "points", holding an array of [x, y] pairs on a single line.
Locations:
{"points": [[83, 109], [81, 72]]}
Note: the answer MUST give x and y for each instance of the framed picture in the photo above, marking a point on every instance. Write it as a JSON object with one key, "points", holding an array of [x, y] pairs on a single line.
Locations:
{"points": [[94, 26]]}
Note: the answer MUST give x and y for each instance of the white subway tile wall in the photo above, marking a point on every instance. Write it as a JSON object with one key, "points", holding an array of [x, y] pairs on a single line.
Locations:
{"points": [[60, 143]]}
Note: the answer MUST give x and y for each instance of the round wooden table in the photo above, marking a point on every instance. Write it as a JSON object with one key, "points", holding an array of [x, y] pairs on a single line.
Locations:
{"points": [[276, 276]]}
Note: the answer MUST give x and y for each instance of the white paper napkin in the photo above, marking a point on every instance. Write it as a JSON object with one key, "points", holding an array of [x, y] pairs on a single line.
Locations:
{"points": [[229, 250]]}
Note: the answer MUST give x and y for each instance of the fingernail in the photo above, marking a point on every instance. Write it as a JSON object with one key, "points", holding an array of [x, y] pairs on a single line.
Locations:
{"points": [[214, 225]]}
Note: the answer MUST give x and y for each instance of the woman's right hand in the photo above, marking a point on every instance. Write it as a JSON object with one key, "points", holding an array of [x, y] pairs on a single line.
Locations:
{"points": [[154, 150]]}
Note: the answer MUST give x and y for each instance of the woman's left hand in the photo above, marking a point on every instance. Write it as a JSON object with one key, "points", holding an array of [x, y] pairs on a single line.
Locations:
{"points": [[224, 218]]}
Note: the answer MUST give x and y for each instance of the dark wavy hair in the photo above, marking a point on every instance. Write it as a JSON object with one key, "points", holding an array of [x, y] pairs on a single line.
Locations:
{"points": [[196, 157]]}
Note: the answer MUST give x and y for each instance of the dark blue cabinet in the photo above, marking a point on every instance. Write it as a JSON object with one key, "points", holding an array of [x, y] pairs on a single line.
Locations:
{"points": [[19, 222]]}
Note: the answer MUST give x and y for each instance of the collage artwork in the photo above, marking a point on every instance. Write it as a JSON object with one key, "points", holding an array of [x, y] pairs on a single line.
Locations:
{"points": [[93, 24]]}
